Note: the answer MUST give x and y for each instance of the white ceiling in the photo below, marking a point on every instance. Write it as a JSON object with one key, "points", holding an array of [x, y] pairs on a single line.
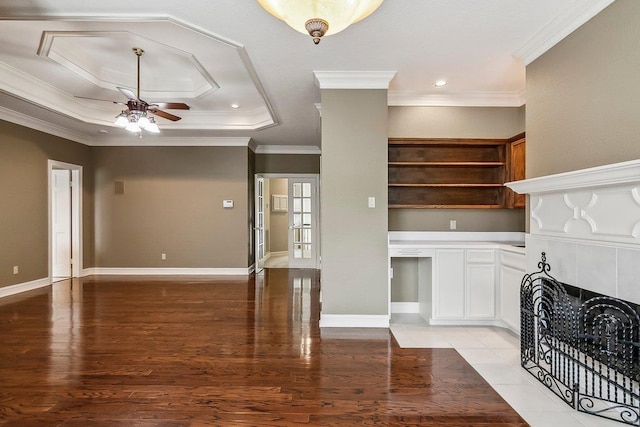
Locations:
{"points": [[211, 54]]}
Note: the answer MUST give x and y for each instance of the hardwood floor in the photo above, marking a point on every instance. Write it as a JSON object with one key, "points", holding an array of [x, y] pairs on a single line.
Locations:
{"points": [[114, 351]]}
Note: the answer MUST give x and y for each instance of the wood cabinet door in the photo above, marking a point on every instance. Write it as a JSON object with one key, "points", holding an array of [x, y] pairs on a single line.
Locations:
{"points": [[517, 168]]}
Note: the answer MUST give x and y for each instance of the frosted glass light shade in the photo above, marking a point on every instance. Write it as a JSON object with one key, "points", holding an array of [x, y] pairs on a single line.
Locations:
{"points": [[143, 122], [121, 120], [339, 14], [152, 127], [133, 127]]}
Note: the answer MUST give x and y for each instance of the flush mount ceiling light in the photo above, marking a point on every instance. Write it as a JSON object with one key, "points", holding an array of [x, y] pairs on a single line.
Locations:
{"points": [[320, 17]]}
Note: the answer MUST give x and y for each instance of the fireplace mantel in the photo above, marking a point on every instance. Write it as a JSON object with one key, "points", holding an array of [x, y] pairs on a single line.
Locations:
{"points": [[600, 204], [625, 173], [588, 223]]}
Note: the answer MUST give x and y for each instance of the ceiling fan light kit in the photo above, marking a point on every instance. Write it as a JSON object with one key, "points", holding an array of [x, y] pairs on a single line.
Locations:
{"points": [[136, 117], [320, 17]]}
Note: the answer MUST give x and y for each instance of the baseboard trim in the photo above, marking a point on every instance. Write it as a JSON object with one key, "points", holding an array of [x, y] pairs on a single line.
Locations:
{"points": [[476, 322], [167, 271], [24, 287], [405, 307], [354, 321]]}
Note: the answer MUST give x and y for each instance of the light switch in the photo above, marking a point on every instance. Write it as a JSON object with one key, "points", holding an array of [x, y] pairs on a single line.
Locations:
{"points": [[452, 224], [227, 204], [372, 202]]}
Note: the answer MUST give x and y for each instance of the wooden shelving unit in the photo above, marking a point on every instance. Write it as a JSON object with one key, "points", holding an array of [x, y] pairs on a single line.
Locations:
{"points": [[449, 173]]}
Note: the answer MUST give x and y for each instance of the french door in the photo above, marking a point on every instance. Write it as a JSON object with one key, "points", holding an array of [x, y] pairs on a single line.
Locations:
{"points": [[260, 224], [303, 222]]}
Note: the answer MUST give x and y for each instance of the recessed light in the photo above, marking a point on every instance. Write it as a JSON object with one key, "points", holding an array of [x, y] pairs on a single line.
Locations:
{"points": [[103, 131], [235, 106], [440, 83]]}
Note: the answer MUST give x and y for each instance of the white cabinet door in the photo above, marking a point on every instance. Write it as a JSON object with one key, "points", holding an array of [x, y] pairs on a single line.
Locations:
{"points": [[481, 291], [449, 284], [510, 279]]}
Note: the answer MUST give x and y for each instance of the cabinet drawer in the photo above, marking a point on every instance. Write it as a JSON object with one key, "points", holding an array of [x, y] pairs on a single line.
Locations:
{"points": [[481, 255], [411, 252]]}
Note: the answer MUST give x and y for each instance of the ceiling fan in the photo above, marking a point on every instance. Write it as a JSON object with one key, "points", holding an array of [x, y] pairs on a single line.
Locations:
{"points": [[134, 118]]}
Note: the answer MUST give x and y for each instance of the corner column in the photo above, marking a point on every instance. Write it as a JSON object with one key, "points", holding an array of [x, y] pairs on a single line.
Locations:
{"points": [[353, 195]]}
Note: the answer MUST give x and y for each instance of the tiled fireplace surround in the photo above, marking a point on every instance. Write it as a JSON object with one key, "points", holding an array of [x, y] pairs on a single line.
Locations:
{"points": [[588, 224]]}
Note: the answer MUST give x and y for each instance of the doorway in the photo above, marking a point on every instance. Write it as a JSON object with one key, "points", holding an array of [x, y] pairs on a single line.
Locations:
{"points": [[287, 221], [65, 220]]}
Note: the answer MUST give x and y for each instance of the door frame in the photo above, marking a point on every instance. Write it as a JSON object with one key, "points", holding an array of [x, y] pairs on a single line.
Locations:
{"points": [[257, 260], [317, 233], [76, 216]]}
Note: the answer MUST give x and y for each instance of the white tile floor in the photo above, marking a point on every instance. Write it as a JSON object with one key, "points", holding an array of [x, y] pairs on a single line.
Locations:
{"points": [[495, 354]]}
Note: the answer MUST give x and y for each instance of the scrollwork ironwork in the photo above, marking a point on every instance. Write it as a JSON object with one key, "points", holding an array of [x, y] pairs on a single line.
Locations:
{"points": [[588, 355]]}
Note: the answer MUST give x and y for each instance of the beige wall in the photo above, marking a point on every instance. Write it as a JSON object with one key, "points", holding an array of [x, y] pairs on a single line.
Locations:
{"points": [[354, 237], [24, 205], [466, 219], [456, 122], [172, 204], [287, 163], [279, 221], [582, 95]]}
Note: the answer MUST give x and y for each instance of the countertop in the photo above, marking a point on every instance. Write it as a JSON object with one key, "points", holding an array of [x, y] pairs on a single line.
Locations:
{"points": [[511, 242]]}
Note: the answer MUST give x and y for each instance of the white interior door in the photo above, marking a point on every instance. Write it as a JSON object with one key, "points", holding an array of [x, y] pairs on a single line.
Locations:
{"points": [[61, 223], [303, 237], [260, 224]]}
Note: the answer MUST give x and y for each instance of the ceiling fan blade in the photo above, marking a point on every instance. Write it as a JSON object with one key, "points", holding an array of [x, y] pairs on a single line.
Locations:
{"points": [[170, 105], [98, 99], [166, 115], [128, 93]]}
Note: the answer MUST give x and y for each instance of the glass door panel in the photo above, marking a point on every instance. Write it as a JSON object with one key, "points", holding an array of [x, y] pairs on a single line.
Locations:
{"points": [[302, 240]]}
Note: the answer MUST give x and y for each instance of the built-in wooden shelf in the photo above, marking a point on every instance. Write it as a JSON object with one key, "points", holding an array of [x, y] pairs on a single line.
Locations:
{"points": [[497, 185], [448, 164], [450, 173], [446, 207]]}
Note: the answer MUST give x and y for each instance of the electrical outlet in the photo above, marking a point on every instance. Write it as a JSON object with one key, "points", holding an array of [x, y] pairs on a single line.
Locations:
{"points": [[452, 224], [163, 256], [16, 270]]}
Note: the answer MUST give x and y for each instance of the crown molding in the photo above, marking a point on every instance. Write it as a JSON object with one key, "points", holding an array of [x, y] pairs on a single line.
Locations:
{"points": [[160, 141], [353, 79], [287, 149], [42, 126], [560, 27], [459, 99]]}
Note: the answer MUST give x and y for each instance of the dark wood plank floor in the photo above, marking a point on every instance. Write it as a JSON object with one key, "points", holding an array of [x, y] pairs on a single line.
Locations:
{"points": [[219, 352]]}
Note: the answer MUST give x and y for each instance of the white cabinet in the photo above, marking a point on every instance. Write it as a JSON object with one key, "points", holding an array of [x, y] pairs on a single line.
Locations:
{"points": [[465, 284], [449, 284], [512, 269], [481, 291]]}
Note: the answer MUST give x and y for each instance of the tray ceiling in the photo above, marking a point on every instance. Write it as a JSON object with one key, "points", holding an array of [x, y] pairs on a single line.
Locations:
{"points": [[211, 55]]}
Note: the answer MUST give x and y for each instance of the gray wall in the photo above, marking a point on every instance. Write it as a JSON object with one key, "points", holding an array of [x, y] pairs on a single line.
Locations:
{"points": [[24, 207], [354, 237], [279, 227], [456, 122], [582, 95], [287, 163], [172, 204]]}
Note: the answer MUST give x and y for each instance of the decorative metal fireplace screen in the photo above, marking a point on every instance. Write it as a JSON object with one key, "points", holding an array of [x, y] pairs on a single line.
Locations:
{"points": [[586, 352]]}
